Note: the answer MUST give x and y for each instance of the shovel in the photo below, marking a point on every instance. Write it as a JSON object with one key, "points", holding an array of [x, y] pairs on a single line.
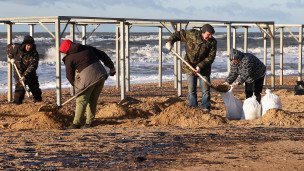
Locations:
{"points": [[53, 107], [22, 82], [219, 88]]}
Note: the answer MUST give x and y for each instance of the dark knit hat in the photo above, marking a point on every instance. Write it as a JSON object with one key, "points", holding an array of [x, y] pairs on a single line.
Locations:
{"points": [[28, 40], [65, 46], [236, 55], [208, 27]]}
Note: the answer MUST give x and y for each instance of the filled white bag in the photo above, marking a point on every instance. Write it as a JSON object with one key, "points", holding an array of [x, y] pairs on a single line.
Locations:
{"points": [[270, 101], [252, 108], [233, 106]]}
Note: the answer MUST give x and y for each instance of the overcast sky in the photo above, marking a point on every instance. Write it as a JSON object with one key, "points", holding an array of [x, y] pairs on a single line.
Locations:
{"points": [[280, 11]]}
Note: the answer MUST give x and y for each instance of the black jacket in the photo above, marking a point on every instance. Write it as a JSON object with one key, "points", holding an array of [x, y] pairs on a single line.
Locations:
{"points": [[26, 62]]}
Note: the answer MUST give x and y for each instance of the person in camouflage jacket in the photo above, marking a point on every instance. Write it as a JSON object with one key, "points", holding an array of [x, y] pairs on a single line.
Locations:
{"points": [[201, 49], [247, 68], [26, 58]]}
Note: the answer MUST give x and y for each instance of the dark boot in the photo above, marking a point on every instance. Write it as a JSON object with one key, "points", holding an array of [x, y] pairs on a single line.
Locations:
{"points": [[73, 126]]}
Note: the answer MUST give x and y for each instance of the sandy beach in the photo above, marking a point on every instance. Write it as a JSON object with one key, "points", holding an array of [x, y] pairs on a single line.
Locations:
{"points": [[152, 129]]}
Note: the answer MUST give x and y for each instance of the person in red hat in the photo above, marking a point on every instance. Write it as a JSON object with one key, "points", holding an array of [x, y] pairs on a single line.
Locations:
{"points": [[86, 73], [26, 58]]}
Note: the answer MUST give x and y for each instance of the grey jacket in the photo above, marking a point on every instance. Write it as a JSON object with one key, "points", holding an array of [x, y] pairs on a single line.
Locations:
{"points": [[249, 69], [89, 76], [83, 66]]}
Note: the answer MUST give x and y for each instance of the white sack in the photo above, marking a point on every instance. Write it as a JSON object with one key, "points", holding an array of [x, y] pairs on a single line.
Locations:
{"points": [[252, 108], [233, 105], [270, 101]]}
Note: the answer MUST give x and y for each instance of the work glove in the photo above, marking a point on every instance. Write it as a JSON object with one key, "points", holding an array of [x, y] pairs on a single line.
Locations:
{"points": [[12, 61], [169, 46], [198, 70], [235, 84], [22, 79], [112, 71]]}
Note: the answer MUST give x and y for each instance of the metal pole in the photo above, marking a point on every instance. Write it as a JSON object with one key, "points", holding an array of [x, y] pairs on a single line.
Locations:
{"points": [[72, 37], [234, 37], [245, 39], [300, 53], [58, 62], [9, 65], [84, 35], [175, 66], [160, 55], [228, 46], [281, 55], [32, 29], [117, 57], [127, 53], [265, 55], [179, 64], [272, 55], [122, 61]]}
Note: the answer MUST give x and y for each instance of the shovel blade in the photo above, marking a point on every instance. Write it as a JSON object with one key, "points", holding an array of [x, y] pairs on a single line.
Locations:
{"points": [[48, 108], [222, 88]]}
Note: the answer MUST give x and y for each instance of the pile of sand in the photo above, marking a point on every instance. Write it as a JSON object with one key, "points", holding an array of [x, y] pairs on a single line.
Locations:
{"points": [[37, 121], [179, 114], [111, 111], [129, 108], [277, 117]]}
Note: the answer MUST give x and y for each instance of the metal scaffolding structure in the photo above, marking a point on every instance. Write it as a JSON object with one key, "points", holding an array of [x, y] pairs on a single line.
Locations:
{"points": [[123, 26]]}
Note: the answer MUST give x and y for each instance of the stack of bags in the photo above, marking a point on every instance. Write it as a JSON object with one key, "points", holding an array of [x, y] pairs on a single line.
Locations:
{"points": [[251, 109]]}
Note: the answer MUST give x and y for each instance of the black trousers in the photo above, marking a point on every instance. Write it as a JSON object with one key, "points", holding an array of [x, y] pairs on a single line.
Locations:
{"points": [[33, 85], [255, 87]]}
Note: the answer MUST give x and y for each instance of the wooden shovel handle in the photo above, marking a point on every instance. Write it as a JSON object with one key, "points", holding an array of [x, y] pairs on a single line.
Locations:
{"points": [[22, 82], [194, 70]]}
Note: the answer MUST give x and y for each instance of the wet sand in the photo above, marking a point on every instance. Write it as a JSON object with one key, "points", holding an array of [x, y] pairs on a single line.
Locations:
{"points": [[152, 129]]}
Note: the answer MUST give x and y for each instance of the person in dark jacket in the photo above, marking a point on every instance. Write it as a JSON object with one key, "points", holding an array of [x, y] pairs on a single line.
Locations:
{"points": [[247, 68], [200, 53], [26, 59], [86, 73]]}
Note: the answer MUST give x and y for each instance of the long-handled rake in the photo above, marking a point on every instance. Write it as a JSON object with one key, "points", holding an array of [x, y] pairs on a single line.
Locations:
{"points": [[219, 88]]}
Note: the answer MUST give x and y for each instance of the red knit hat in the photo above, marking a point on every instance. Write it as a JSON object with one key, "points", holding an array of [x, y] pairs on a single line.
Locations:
{"points": [[65, 46]]}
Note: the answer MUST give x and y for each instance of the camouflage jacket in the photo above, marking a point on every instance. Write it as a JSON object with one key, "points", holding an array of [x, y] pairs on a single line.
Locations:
{"points": [[199, 52], [26, 62]]}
